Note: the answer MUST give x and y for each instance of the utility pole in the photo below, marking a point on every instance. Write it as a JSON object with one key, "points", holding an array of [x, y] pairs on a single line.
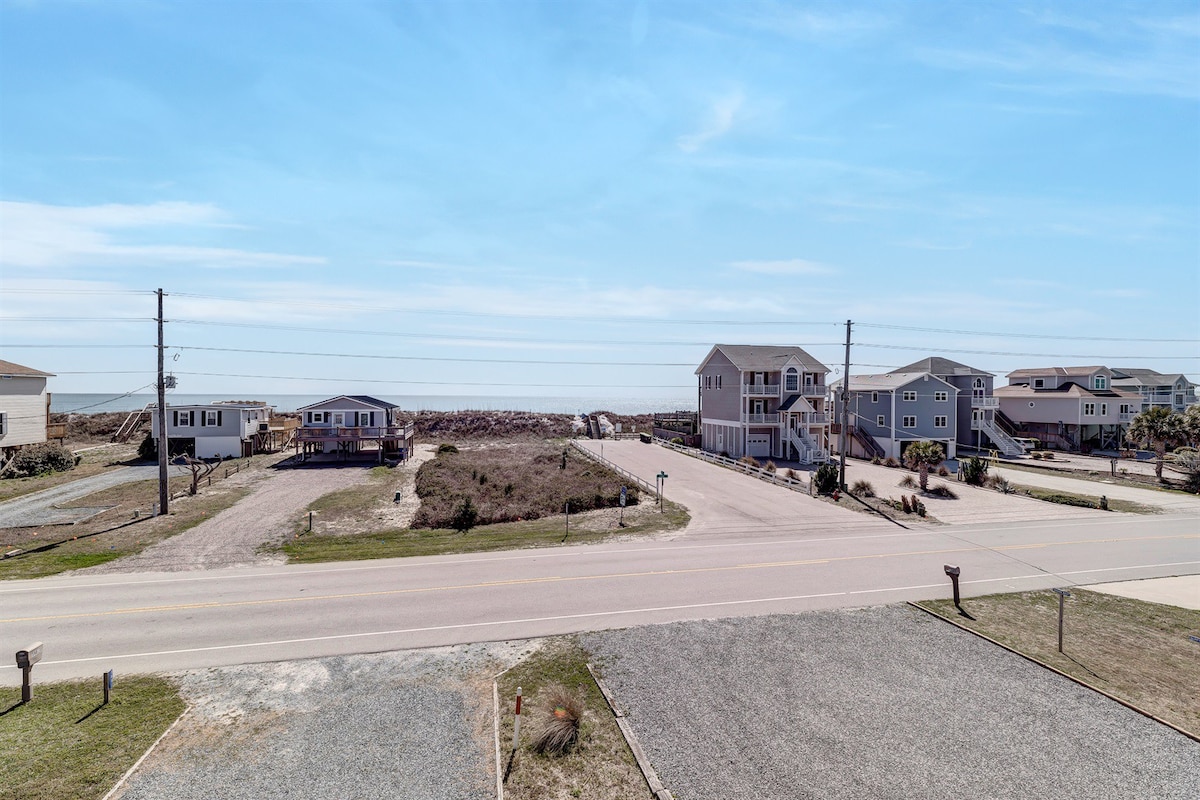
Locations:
{"points": [[163, 445], [845, 414]]}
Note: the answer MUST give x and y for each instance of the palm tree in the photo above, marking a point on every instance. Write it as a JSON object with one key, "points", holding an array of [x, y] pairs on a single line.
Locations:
{"points": [[1191, 424], [1158, 427], [921, 456]]}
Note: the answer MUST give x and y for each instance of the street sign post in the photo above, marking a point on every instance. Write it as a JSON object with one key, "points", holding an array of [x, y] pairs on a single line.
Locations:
{"points": [[1061, 594], [621, 521], [661, 482]]}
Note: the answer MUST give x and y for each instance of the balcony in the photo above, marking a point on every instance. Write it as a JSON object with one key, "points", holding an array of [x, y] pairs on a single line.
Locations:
{"points": [[985, 402], [343, 434], [813, 390], [760, 419], [1125, 417], [760, 389], [814, 418]]}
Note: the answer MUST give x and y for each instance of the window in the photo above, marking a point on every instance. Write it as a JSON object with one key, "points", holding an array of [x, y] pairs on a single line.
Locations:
{"points": [[1099, 382], [718, 381], [183, 419], [316, 416], [1104, 409], [1089, 409], [881, 421], [941, 397], [791, 380], [910, 396], [1125, 408], [874, 397], [939, 422], [212, 417], [909, 422], [1039, 383]]}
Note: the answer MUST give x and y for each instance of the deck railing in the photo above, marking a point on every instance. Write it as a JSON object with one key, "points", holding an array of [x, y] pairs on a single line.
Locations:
{"points": [[354, 433]]}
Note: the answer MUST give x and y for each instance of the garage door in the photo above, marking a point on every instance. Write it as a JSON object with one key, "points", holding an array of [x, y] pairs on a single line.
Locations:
{"points": [[758, 445]]}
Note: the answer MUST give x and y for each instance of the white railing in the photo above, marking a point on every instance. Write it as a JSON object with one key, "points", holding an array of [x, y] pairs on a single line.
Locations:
{"points": [[795, 484], [813, 390], [761, 389], [624, 473], [985, 402], [1126, 416], [761, 419], [814, 418]]}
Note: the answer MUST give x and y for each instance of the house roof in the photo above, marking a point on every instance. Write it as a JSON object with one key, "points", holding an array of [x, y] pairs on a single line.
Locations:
{"points": [[1147, 377], [765, 358], [1066, 389], [889, 381], [1062, 372], [936, 365], [365, 399], [17, 371], [794, 400]]}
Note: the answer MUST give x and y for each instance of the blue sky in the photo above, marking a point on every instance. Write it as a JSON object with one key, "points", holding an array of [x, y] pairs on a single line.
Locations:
{"points": [[592, 183]]}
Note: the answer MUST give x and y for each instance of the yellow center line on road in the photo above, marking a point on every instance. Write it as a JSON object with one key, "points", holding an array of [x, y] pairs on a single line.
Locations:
{"points": [[564, 579]]}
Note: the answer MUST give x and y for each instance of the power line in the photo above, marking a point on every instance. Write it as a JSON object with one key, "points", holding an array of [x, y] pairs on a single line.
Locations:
{"points": [[1023, 355], [1022, 335], [689, 386], [543, 362]]}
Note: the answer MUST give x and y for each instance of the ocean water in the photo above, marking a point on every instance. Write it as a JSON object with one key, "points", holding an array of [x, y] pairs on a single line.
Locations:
{"points": [[61, 403]]}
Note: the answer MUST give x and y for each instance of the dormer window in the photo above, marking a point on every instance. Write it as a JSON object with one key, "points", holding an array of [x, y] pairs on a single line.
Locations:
{"points": [[1099, 382], [791, 380]]}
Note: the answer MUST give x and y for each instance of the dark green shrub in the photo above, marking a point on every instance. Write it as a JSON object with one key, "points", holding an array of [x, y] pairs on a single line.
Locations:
{"points": [[676, 440], [446, 448], [974, 471], [465, 516], [42, 459], [826, 479], [148, 449]]}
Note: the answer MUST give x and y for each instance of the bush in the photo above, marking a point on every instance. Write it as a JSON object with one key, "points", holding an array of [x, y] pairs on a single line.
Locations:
{"points": [[465, 516], [862, 489], [918, 506], [943, 472], [792, 474], [1036, 454], [974, 471], [42, 459], [148, 449], [677, 440], [876, 460], [942, 490], [1065, 499], [750, 461], [558, 726], [908, 482], [770, 467], [891, 462], [1048, 455], [446, 448], [905, 504], [1001, 485], [826, 479]]}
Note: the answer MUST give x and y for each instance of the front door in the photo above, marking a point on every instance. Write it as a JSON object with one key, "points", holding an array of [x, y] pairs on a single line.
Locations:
{"points": [[339, 419]]}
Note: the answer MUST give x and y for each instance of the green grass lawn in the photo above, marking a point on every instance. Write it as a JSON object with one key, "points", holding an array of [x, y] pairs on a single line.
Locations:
{"points": [[65, 746], [545, 532]]}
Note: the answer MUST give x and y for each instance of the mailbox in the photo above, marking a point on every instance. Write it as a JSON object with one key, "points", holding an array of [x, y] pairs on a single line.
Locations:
{"points": [[953, 572], [28, 657]]}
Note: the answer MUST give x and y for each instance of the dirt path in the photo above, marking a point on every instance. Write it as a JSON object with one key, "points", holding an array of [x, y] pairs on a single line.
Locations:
{"points": [[233, 537]]}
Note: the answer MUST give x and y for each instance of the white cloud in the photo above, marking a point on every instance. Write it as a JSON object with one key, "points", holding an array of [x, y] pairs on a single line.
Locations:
{"points": [[722, 115], [791, 266], [36, 235]]}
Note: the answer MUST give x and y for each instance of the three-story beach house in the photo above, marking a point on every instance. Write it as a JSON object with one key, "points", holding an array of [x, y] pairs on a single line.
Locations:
{"points": [[764, 401], [1068, 408]]}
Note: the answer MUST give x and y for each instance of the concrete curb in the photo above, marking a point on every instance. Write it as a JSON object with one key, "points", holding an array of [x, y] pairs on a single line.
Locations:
{"points": [[659, 791], [1083, 683], [120, 784]]}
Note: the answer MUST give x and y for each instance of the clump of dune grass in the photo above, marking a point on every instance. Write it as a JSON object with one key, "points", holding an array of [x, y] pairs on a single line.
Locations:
{"points": [[560, 713]]}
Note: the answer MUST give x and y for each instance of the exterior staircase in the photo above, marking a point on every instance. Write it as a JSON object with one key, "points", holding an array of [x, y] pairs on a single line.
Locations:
{"points": [[869, 445], [1003, 442], [594, 431], [809, 451], [132, 424]]}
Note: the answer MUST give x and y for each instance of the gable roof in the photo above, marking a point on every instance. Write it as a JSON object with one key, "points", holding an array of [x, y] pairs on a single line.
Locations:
{"points": [[1147, 377], [936, 365], [1062, 372], [764, 358], [17, 371], [365, 399], [1065, 389], [889, 382]]}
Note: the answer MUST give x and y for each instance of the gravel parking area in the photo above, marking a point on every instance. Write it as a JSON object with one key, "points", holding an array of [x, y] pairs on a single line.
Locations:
{"points": [[881, 702], [411, 725], [36, 509]]}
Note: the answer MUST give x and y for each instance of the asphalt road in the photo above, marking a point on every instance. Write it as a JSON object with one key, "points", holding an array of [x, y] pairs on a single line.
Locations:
{"points": [[153, 622]]}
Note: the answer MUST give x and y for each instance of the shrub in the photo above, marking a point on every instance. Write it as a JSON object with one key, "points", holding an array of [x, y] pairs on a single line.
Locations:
{"points": [[891, 462], [148, 449], [770, 467], [942, 490], [750, 461], [943, 472], [1001, 485], [42, 459], [676, 440], [724, 454], [1065, 499], [791, 473], [1048, 455], [558, 726], [862, 489], [908, 482], [876, 460], [1037, 454], [465, 516], [905, 504], [919, 507], [974, 471], [446, 448], [826, 479]]}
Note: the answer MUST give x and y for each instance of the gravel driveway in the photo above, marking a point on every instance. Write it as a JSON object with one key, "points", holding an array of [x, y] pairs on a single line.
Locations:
{"points": [[233, 537], [410, 725], [38, 508], [880, 702]]}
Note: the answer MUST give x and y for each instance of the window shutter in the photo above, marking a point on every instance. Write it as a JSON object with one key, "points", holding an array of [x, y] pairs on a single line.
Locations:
{"points": [[203, 418], [3, 422], [191, 417], [372, 420], [175, 418], [218, 417], [309, 420]]}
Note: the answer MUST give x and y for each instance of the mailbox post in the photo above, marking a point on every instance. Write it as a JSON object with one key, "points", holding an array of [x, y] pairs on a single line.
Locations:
{"points": [[25, 660], [661, 482], [954, 572]]}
